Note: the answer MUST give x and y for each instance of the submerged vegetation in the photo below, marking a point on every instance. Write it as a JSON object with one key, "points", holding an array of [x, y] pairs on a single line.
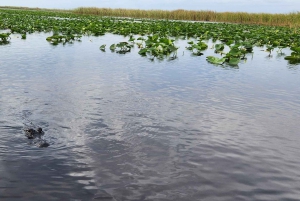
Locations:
{"points": [[154, 38]]}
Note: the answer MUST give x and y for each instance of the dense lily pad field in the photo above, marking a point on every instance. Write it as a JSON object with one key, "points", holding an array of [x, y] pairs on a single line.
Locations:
{"points": [[154, 38]]}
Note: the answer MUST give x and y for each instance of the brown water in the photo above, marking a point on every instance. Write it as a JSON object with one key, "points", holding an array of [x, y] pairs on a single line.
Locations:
{"points": [[121, 127]]}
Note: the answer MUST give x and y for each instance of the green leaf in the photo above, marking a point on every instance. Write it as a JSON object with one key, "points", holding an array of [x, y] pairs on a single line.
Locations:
{"points": [[49, 38], [112, 47], [234, 52], [131, 39], [165, 41], [102, 47], [143, 51], [234, 61], [296, 49], [215, 60], [293, 57], [229, 42], [269, 48], [219, 47]]}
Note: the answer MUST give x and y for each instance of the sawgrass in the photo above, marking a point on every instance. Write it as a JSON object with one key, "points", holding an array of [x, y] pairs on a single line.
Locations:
{"points": [[289, 20]]}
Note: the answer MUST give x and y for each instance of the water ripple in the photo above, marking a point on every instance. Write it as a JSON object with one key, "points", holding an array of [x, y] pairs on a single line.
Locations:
{"points": [[121, 127]]}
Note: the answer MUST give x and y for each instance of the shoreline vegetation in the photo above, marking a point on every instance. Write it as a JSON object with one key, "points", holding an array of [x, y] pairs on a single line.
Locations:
{"points": [[291, 20], [155, 38]]}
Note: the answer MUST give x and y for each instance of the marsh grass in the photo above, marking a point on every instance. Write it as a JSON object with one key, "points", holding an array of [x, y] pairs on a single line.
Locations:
{"points": [[291, 20], [36, 9], [288, 20]]}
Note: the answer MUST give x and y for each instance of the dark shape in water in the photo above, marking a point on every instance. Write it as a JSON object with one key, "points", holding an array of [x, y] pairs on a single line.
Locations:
{"points": [[32, 133], [42, 143]]}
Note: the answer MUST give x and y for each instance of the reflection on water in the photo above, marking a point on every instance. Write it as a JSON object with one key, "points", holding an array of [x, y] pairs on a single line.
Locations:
{"points": [[121, 127]]}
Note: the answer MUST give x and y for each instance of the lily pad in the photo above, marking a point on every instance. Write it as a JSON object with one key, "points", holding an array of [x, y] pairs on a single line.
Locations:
{"points": [[112, 47], [215, 60], [234, 61], [102, 47]]}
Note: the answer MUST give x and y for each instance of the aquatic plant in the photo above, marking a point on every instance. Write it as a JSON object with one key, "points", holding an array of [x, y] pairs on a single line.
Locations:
{"points": [[123, 47], [236, 53], [290, 19], [154, 38], [23, 36], [215, 60], [159, 47], [294, 58], [4, 38], [197, 48], [112, 47], [219, 48], [55, 39], [102, 47]]}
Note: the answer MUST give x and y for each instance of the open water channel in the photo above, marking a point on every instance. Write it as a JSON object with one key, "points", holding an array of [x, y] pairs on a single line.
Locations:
{"points": [[121, 127]]}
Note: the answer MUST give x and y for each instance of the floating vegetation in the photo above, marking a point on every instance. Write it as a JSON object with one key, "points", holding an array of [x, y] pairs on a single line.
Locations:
{"points": [[102, 47], [121, 47], [197, 48], [23, 36], [215, 60], [159, 47], [56, 38], [219, 48], [4, 38], [294, 58], [154, 38]]}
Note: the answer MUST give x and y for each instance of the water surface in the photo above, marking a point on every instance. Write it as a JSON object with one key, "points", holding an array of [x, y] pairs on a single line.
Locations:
{"points": [[121, 127]]}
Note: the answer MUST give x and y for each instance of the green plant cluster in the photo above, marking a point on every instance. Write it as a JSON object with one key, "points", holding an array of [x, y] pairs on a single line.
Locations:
{"points": [[160, 34], [197, 48], [55, 39], [236, 53], [295, 55], [4, 38], [156, 46], [121, 47]]}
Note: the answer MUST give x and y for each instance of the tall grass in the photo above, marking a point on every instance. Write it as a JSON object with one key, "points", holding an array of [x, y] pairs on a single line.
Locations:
{"points": [[36, 9], [289, 20]]}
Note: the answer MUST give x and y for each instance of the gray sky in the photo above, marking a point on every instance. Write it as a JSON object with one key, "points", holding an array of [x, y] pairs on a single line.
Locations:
{"points": [[267, 6]]}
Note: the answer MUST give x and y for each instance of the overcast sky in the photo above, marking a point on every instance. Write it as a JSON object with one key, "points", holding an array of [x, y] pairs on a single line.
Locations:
{"points": [[267, 6]]}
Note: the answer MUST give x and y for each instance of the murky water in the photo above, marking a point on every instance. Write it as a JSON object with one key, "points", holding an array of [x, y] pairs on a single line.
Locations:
{"points": [[121, 127]]}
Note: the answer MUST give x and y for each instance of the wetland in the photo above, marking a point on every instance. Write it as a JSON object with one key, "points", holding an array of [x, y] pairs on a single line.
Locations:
{"points": [[148, 109]]}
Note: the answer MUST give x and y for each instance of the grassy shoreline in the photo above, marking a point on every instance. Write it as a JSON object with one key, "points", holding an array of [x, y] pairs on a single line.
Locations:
{"points": [[291, 20]]}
